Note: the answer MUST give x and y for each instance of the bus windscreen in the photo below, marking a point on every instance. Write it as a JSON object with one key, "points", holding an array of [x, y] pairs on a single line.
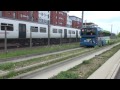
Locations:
{"points": [[88, 31]]}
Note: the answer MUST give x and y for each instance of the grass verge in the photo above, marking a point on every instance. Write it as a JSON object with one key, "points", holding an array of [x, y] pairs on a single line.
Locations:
{"points": [[14, 65], [40, 50]]}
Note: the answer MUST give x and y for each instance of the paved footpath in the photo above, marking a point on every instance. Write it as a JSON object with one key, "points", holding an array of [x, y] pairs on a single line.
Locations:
{"points": [[118, 75]]}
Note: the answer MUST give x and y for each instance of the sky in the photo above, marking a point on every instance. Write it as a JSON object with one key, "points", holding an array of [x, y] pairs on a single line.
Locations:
{"points": [[104, 19]]}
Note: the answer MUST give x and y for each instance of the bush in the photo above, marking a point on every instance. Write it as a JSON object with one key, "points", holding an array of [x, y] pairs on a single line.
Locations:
{"points": [[86, 62]]}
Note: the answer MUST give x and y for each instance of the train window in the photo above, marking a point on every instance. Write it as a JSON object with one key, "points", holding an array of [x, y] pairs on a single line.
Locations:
{"points": [[60, 30], [3, 26], [9, 26], [34, 29], [69, 31], [73, 32], [42, 29], [54, 30]]}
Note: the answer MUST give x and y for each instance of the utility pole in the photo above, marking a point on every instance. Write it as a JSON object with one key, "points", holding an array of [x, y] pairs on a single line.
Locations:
{"points": [[6, 39], [31, 37], [85, 23], [31, 14], [61, 37], [70, 36], [111, 30], [82, 18], [117, 33], [48, 32]]}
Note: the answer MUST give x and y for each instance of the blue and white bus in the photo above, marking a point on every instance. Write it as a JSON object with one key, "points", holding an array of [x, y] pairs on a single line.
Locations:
{"points": [[92, 36]]}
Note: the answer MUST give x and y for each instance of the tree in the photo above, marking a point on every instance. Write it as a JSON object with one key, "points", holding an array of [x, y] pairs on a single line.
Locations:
{"points": [[106, 33], [119, 34]]}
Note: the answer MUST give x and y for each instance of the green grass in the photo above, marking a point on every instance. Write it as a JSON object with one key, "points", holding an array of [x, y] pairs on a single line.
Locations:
{"points": [[86, 62], [85, 69], [40, 50], [36, 67], [44, 49], [9, 66], [67, 75]]}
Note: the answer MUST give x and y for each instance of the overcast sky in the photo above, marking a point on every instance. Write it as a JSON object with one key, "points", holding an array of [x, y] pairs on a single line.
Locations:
{"points": [[104, 19]]}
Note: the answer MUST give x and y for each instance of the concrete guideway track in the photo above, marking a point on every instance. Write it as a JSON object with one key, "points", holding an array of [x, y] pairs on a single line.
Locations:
{"points": [[56, 68]]}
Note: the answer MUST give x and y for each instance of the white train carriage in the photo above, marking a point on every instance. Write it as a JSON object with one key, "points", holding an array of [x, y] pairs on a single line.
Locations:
{"points": [[64, 32], [11, 27], [19, 31], [57, 31], [37, 30], [72, 33]]}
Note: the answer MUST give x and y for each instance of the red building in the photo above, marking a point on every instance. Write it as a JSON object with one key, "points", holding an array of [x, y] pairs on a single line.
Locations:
{"points": [[9, 14], [35, 16], [58, 18], [21, 15], [76, 22]]}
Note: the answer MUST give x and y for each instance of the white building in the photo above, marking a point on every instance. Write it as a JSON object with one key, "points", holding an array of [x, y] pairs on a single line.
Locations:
{"points": [[65, 11], [74, 18], [69, 21], [44, 17]]}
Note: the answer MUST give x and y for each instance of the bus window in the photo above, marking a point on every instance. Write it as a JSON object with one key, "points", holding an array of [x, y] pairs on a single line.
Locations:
{"points": [[88, 31], [83, 31]]}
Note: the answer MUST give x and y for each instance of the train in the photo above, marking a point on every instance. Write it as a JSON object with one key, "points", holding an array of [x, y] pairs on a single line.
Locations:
{"points": [[19, 32]]}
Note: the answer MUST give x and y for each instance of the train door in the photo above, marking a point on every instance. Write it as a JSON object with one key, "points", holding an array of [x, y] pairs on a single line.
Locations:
{"points": [[22, 30], [65, 33], [76, 34]]}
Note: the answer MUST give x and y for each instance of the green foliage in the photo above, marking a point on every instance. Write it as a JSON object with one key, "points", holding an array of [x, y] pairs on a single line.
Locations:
{"points": [[119, 34], [6, 66], [86, 62], [40, 50], [67, 75], [106, 33]]}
